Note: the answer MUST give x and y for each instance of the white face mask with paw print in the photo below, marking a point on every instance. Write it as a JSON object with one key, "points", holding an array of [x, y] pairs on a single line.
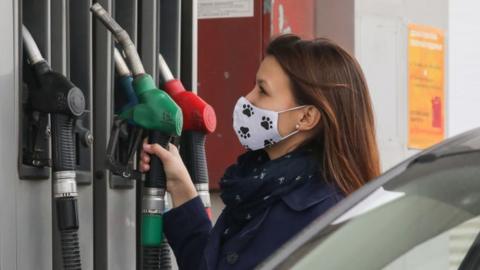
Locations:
{"points": [[257, 128]]}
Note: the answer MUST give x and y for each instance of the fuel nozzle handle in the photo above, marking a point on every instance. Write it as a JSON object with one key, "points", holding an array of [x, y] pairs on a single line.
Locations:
{"points": [[156, 175]]}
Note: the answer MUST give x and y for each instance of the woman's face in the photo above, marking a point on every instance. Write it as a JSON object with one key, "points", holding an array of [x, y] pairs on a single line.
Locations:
{"points": [[273, 91]]}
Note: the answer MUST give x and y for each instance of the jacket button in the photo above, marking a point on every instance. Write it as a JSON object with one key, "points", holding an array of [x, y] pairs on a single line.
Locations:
{"points": [[232, 258]]}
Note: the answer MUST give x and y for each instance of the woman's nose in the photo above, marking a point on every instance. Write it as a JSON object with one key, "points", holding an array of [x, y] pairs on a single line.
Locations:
{"points": [[249, 96]]}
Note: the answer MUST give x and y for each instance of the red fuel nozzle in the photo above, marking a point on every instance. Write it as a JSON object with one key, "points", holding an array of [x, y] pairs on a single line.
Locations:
{"points": [[198, 115]]}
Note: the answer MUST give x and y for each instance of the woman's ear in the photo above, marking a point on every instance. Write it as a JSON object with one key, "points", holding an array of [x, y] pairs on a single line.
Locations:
{"points": [[310, 118]]}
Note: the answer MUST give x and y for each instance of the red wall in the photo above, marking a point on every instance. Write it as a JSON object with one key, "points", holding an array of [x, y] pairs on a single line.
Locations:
{"points": [[298, 16]]}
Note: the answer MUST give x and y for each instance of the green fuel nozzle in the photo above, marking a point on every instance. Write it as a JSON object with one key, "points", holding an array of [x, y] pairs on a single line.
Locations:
{"points": [[155, 109], [162, 117]]}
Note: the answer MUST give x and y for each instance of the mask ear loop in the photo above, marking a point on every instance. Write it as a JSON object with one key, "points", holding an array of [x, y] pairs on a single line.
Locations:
{"points": [[290, 135], [294, 108], [297, 126]]}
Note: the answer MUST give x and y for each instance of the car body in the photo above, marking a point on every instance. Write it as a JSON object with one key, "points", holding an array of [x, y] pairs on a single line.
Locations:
{"points": [[422, 214]]}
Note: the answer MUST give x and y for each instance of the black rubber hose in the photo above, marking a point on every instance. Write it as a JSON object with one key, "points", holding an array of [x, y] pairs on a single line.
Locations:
{"points": [[156, 175], [63, 144], [63, 154], [165, 258], [151, 258], [193, 154], [70, 250], [67, 219]]}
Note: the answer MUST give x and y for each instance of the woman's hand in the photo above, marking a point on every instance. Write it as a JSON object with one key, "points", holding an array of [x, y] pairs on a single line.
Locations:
{"points": [[179, 183]]}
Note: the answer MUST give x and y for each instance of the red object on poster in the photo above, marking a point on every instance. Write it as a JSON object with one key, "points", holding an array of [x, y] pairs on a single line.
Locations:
{"points": [[437, 112], [293, 17], [229, 53]]}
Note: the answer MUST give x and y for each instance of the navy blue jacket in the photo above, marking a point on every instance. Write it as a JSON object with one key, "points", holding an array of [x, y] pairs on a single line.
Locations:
{"points": [[197, 246]]}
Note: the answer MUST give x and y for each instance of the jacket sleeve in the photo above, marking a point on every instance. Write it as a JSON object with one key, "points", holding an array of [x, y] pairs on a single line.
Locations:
{"points": [[187, 229]]}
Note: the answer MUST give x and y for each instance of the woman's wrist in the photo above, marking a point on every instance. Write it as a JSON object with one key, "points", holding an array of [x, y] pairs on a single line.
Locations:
{"points": [[181, 191]]}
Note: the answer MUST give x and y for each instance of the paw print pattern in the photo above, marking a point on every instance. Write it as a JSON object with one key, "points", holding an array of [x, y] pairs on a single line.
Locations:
{"points": [[244, 132], [266, 123], [248, 110], [268, 142]]}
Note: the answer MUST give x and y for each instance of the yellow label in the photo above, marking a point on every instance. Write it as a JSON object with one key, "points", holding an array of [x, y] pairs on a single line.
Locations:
{"points": [[426, 89]]}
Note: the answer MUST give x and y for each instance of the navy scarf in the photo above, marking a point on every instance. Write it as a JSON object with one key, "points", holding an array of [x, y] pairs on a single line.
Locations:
{"points": [[255, 182]]}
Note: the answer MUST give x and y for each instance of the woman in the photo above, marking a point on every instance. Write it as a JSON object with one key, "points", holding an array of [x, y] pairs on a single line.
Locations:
{"points": [[309, 128]]}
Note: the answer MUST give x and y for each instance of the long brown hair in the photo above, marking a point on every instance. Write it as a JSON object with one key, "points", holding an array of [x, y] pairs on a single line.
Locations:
{"points": [[326, 76]]}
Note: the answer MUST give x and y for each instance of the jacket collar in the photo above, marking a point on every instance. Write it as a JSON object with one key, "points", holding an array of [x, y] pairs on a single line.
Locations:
{"points": [[312, 193]]}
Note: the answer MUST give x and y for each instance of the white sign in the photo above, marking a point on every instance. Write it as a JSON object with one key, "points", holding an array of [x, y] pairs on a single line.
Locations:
{"points": [[208, 9]]}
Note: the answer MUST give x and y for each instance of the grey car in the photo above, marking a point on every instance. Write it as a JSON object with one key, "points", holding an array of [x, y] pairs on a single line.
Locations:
{"points": [[422, 214]]}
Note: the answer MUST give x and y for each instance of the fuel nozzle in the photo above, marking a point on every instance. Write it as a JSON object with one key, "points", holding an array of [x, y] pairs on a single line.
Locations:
{"points": [[125, 135], [155, 109], [199, 119], [54, 94], [198, 115], [161, 116], [147, 113]]}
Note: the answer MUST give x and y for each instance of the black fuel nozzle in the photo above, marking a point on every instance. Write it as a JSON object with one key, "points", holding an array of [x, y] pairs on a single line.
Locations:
{"points": [[123, 165], [54, 94], [125, 136]]}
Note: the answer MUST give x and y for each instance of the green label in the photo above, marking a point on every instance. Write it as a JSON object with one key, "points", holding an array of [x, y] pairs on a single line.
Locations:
{"points": [[152, 230]]}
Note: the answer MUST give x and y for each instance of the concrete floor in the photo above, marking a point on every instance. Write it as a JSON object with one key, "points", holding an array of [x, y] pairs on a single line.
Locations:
{"points": [[217, 205]]}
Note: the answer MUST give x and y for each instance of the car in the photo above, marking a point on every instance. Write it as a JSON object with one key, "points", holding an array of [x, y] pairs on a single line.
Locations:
{"points": [[422, 214]]}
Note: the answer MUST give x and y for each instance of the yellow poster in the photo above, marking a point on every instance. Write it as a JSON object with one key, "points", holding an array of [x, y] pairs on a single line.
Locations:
{"points": [[426, 89]]}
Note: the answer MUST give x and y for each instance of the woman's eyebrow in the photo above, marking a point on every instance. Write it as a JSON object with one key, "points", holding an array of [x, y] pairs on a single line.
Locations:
{"points": [[262, 81]]}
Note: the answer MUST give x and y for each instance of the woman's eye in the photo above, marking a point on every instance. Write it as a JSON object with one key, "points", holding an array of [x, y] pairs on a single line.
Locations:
{"points": [[262, 91]]}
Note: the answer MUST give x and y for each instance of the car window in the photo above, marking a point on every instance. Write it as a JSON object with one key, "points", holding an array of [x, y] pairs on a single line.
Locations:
{"points": [[445, 251], [425, 218]]}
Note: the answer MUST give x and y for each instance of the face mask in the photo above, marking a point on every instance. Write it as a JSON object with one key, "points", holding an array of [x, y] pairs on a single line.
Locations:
{"points": [[257, 128]]}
